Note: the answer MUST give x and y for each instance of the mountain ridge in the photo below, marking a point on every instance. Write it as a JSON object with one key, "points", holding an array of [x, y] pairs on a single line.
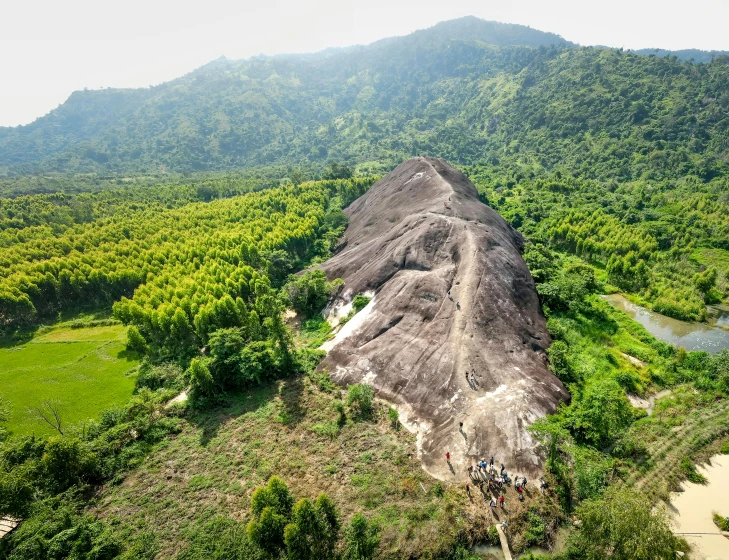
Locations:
{"points": [[441, 91]]}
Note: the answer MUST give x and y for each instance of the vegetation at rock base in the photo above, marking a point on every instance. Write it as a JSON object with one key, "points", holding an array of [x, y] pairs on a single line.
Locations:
{"points": [[624, 526]]}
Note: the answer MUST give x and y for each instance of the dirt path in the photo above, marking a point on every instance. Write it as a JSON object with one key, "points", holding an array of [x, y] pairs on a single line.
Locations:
{"points": [[504, 543]]}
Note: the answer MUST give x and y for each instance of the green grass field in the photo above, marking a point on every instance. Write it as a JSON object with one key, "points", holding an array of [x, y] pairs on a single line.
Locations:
{"points": [[85, 369]]}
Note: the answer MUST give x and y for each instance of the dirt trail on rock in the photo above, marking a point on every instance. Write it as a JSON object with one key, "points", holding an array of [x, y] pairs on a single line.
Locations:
{"points": [[418, 233]]}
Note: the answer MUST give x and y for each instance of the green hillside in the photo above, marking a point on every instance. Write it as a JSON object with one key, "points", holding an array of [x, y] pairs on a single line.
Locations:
{"points": [[467, 90]]}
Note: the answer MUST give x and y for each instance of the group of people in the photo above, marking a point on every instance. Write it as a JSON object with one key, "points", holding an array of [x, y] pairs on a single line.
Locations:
{"points": [[489, 479], [486, 474]]}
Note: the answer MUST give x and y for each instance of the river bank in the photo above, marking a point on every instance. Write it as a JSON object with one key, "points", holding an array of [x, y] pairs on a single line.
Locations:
{"points": [[693, 509], [691, 336]]}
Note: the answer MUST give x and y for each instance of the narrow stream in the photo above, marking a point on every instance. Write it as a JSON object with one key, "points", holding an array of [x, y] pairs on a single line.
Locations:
{"points": [[691, 336]]}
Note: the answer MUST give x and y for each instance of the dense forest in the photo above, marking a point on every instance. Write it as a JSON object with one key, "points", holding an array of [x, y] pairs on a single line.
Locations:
{"points": [[466, 90], [662, 241]]}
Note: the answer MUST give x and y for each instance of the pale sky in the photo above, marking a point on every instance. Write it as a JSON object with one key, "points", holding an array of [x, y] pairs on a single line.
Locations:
{"points": [[50, 48]]}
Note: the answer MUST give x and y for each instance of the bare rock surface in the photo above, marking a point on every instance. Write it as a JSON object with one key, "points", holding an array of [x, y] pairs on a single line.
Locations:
{"points": [[416, 234]]}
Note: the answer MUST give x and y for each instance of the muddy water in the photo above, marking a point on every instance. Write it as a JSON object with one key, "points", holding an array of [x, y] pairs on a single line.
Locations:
{"points": [[718, 315], [691, 336], [694, 507]]}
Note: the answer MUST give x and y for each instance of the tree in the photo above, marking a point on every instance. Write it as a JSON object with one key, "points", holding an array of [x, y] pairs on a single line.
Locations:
{"points": [[271, 508], [312, 533], [49, 412], [623, 525], [362, 539], [135, 341], [602, 414], [337, 171], [309, 293]]}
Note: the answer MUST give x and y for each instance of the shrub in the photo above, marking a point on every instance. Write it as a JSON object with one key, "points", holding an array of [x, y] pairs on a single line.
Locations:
{"points": [[721, 522], [688, 469], [360, 302], [394, 417], [360, 398], [168, 376], [135, 340], [362, 539]]}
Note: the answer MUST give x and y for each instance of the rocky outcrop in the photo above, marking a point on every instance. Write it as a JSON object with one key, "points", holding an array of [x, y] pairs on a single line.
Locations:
{"points": [[417, 234]]}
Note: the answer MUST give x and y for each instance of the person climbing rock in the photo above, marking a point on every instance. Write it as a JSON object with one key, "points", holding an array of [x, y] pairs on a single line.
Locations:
{"points": [[449, 294], [491, 463], [458, 305], [492, 503], [473, 379], [502, 469], [460, 426], [448, 457], [468, 489], [501, 501]]}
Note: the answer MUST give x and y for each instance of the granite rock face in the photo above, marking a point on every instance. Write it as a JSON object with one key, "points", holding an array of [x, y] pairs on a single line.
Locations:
{"points": [[417, 234]]}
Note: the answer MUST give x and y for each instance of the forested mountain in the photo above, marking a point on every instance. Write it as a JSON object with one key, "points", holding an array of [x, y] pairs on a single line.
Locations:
{"points": [[467, 90], [694, 55]]}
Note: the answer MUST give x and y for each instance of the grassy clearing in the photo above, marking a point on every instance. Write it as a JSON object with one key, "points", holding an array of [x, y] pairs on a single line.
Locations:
{"points": [[290, 429], [314, 332], [86, 369]]}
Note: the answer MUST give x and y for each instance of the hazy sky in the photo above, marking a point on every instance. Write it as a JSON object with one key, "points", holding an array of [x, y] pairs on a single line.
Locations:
{"points": [[49, 48]]}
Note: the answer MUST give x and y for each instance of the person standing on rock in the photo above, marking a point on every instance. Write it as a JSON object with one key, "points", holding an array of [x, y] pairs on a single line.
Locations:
{"points": [[458, 305], [448, 457], [468, 489], [473, 379], [501, 501], [492, 503]]}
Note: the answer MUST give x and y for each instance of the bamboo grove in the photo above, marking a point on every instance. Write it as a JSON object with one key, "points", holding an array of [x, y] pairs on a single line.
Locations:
{"points": [[176, 274]]}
